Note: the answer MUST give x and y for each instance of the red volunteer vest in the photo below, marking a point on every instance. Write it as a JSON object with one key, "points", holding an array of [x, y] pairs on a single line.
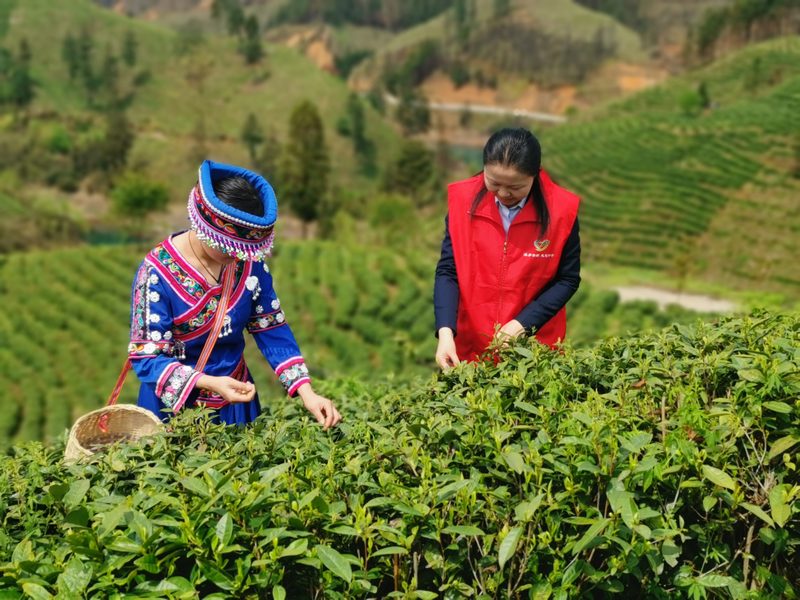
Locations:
{"points": [[499, 274]]}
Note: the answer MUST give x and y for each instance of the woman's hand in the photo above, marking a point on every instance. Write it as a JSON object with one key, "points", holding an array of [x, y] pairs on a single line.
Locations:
{"points": [[509, 331], [446, 355], [321, 407], [228, 388]]}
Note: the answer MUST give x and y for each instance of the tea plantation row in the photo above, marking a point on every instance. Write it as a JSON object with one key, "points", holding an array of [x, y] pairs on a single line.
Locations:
{"points": [[657, 466], [66, 322], [655, 180]]}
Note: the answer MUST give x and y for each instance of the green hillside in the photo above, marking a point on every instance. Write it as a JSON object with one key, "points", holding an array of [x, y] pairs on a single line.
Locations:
{"points": [[193, 95], [706, 192], [490, 43]]}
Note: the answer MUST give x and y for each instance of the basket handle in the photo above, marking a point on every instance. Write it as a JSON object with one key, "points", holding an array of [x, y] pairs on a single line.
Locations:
{"points": [[222, 308]]}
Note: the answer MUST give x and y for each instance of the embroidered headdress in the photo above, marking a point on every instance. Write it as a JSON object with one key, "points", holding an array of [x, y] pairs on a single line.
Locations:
{"points": [[235, 232]]}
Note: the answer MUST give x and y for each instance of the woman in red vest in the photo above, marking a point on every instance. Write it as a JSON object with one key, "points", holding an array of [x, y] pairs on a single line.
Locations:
{"points": [[511, 253]]}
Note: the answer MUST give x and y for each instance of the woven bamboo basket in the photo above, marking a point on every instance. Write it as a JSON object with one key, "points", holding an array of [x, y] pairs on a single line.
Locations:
{"points": [[114, 423]]}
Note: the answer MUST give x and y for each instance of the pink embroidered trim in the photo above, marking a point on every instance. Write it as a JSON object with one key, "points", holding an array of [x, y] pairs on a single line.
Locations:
{"points": [[293, 373]]}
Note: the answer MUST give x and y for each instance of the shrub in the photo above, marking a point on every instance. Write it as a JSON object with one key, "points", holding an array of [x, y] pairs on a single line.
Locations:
{"points": [[655, 466]]}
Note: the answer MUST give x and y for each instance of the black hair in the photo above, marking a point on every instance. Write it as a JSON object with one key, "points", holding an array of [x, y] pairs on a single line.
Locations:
{"points": [[517, 148], [240, 194]]}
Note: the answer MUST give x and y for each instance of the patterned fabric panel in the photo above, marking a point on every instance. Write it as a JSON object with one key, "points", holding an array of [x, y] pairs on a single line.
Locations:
{"points": [[292, 374], [182, 278], [151, 334], [264, 321], [175, 384]]}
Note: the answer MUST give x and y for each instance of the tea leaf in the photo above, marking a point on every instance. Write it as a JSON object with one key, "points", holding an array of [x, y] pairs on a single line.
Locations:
{"points": [[451, 490], [36, 591], [273, 472], [712, 580], [509, 546], [335, 562], [777, 502], [709, 502], [195, 485], [515, 461], [593, 531], [224, 529], [463, 530], [670, 551], [123, 544], [390, 550], [525, 511], [278, 593], [718, 477], [75, 577], [635, 441], [759, 512], [541, 591], [296, 548], [782, 445], [215, 575], [778, 407], [77, 492], [622, 504]]}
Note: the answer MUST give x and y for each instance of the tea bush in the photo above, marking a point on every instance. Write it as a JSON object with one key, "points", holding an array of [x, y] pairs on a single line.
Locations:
{"points": [[662, 466]]}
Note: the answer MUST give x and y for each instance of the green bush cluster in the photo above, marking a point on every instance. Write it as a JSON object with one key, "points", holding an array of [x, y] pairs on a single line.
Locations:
{"points": [[658, 466]]}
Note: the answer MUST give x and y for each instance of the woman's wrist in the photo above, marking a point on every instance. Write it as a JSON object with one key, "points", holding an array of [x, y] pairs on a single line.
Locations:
{"points": [[206, 382], [446, 333], [304, 391]]}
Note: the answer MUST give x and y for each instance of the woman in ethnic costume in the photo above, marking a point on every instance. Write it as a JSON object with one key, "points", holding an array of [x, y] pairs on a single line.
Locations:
{"points": [[176, 291]]}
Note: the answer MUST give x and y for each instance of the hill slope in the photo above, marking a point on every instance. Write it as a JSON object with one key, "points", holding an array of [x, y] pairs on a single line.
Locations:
{"points": [[712, 192], [193, 95]]}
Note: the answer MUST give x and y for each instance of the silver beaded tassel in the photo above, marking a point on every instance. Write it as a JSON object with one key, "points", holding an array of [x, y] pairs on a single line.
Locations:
{"points": [[237, 249]]}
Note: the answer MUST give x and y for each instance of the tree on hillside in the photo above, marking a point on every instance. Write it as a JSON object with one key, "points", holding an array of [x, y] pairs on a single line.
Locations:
{"points": [[250, 45], [353, 125], [108, 79], [231, 12], [412, 113], [129, 48], [463, 19], [135, 197], [268, 160], [252, 135], [117, 143], [411, 170], [21, 90], [198, 149], [70, 54], [501, 8], [305, 163], [17, 86]]}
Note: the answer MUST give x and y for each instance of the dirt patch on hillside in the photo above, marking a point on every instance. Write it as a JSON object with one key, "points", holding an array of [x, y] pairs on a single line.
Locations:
{"points": [[315, 43], [611, 81], [440, 88]]}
